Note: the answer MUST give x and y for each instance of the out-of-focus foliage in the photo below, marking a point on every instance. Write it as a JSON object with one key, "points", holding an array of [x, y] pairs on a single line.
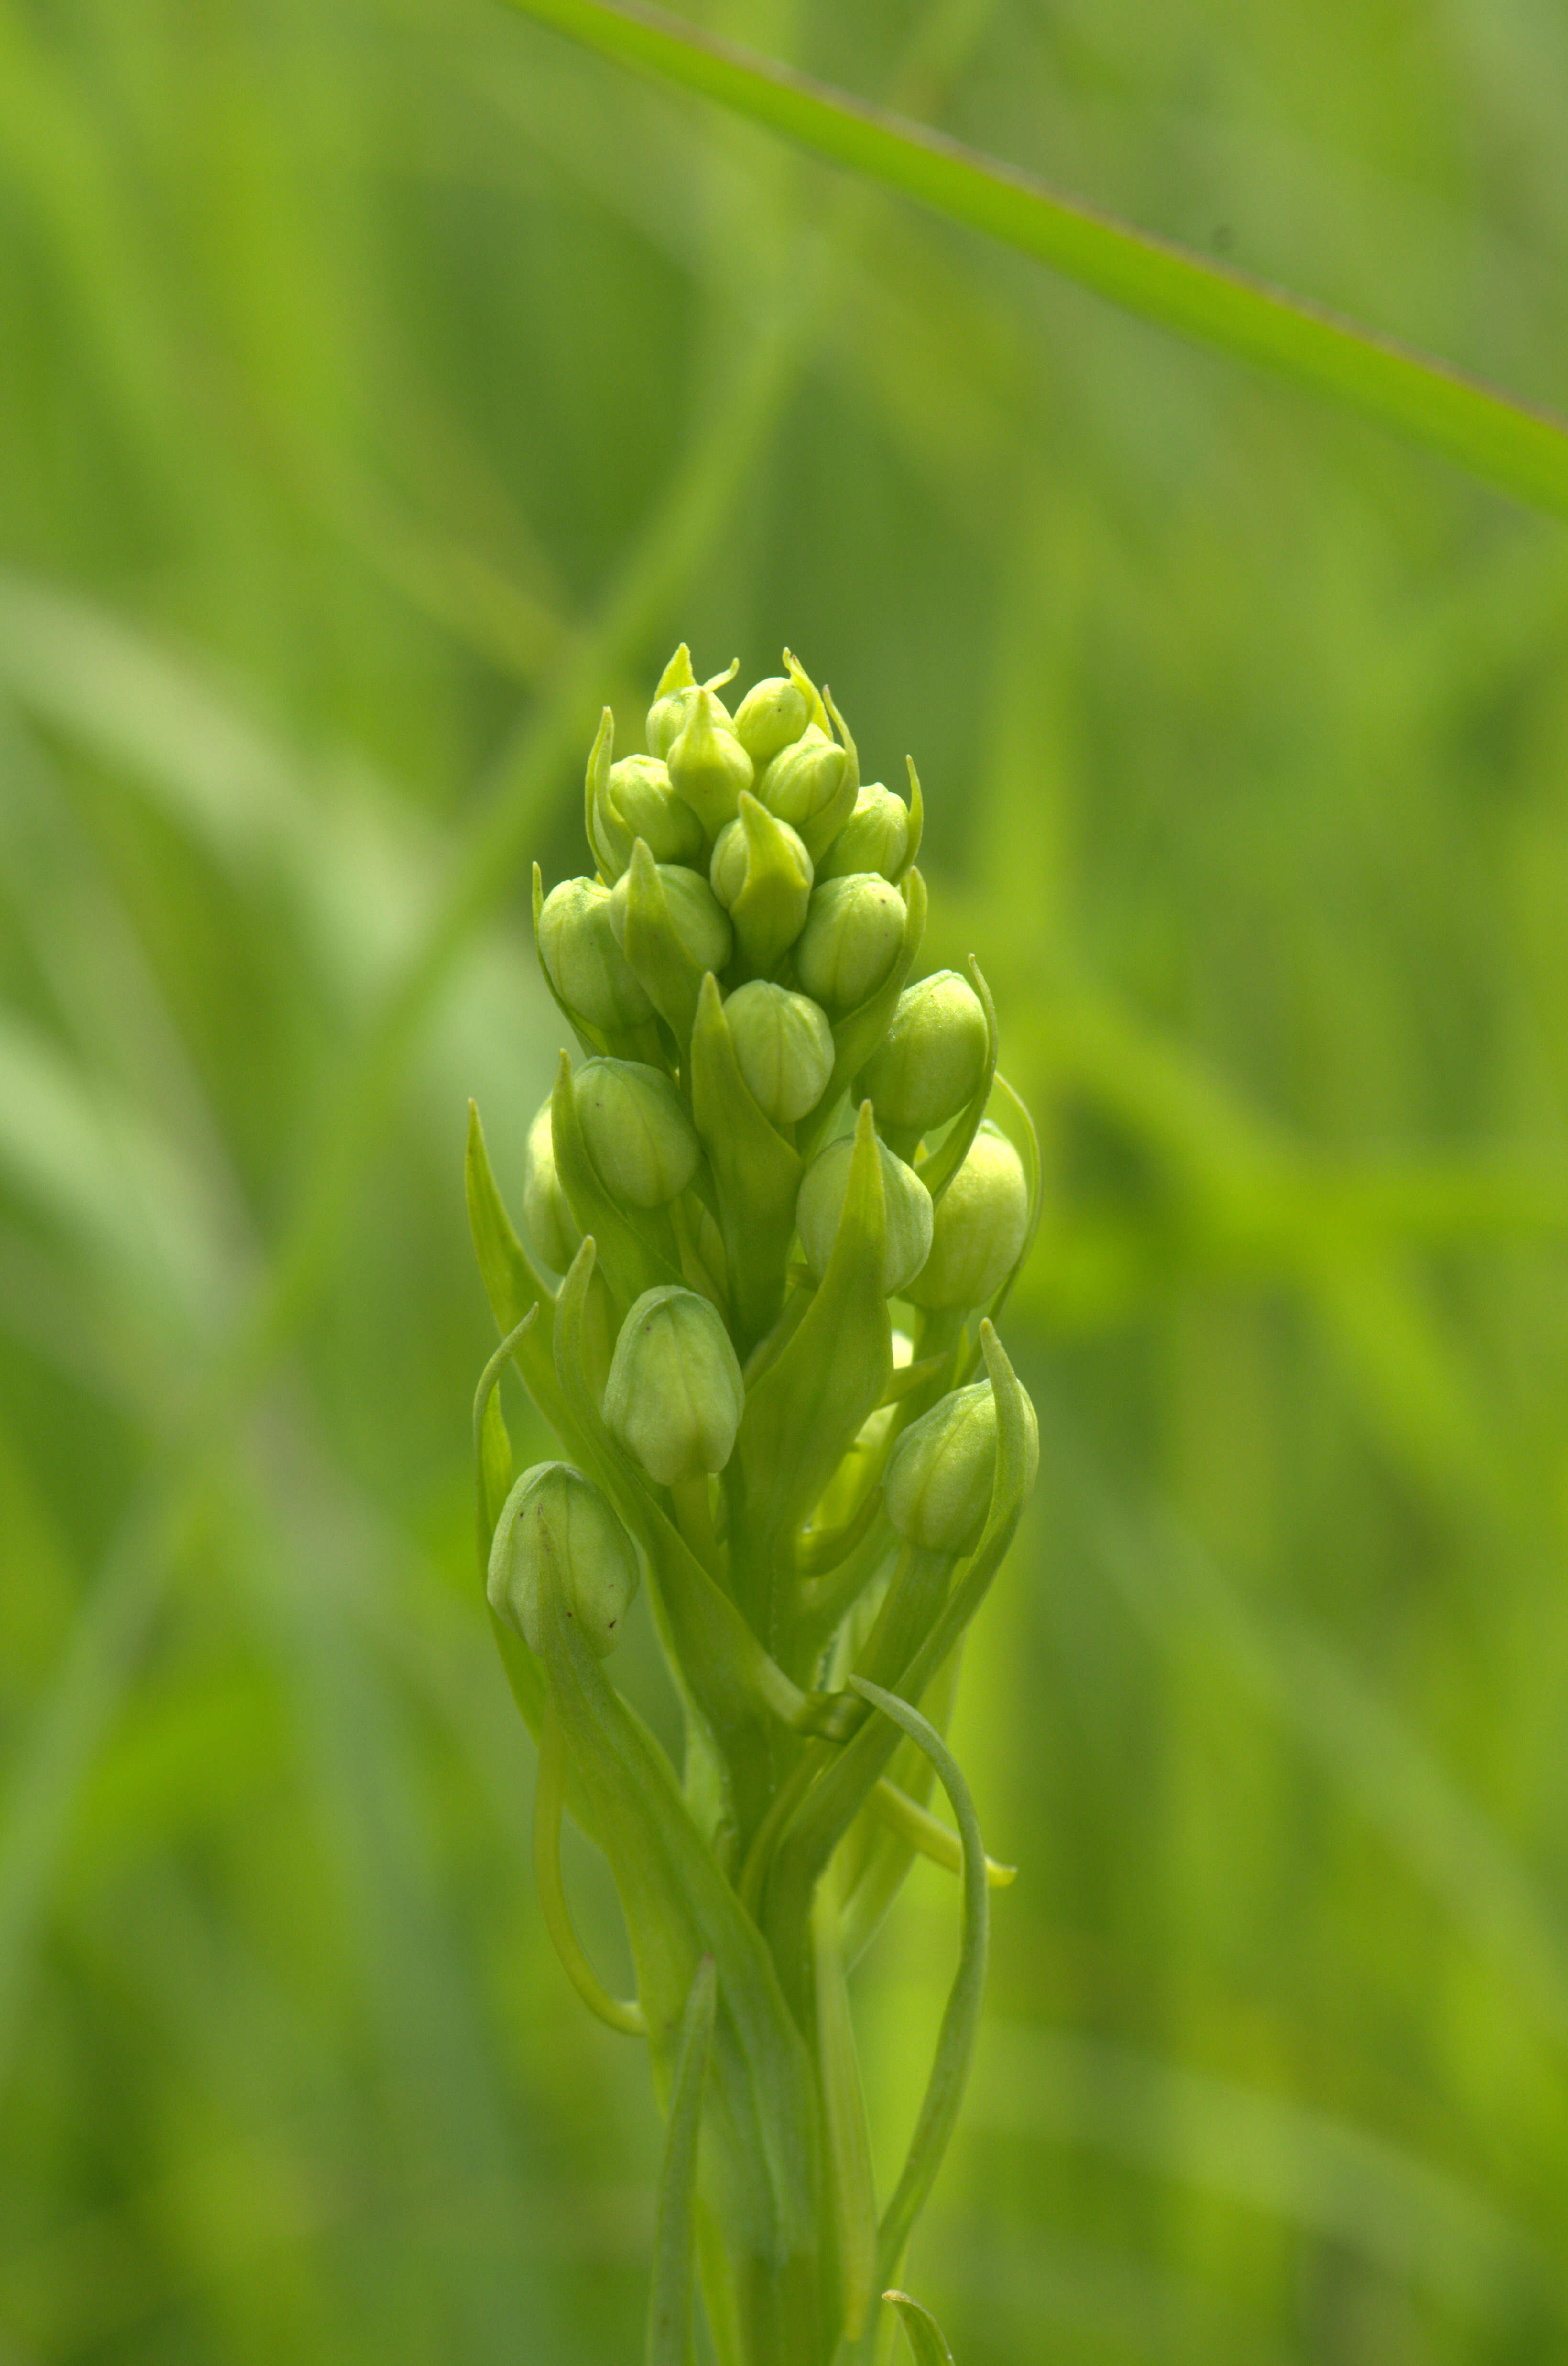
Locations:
{"points": [[382, 385]]}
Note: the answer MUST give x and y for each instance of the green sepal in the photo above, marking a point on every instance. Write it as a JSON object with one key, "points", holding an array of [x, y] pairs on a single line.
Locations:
{"points": [[1016, 1122], [512, 1282], [757, 1174], [938, 1170], [639, 1249], [856, 1036], [655, 954], [916, 825], [803, 1411], [675, 2231], [927, 2346], [758, 2164], [595, 787], [823, 828]]}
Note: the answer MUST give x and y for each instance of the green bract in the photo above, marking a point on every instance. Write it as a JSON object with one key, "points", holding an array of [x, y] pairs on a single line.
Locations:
{"points": [[731, 1183], [673, 1397], [556, 1530]]}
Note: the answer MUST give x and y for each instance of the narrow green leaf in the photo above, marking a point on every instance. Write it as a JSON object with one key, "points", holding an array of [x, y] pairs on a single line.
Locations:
{"points": [[955, 2043], [669, 2302], [513, 1283], [926, 2339], [1506, 443]]}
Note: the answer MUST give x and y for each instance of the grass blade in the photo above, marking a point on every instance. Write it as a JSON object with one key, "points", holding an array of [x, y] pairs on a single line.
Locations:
{"points": [[1506, 443], [926, 2344]]}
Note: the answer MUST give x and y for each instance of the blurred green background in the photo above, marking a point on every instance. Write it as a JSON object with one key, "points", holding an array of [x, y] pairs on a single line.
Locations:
{"points": [[383, 384]]}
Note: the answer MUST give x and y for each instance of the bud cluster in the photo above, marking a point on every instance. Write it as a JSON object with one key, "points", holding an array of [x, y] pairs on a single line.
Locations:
{"points": [[776, 1143]]}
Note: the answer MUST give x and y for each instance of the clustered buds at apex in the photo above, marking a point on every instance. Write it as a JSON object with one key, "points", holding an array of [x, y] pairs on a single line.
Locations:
{"points": [[933, 1057], [938, 1481], [980, 1226], [639, 802], [638, 1133], [674, 1396], [784, 1046], [730, 1183], [875, 838], [555, 1529], [546, 1211], [907, 1200], [583, 958], [851, 939]]}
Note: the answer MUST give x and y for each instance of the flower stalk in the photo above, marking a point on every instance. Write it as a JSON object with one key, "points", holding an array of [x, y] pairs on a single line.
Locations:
{"points": [[774, 1149]]}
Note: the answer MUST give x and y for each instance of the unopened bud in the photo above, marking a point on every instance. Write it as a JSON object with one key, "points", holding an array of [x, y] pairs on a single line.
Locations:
{"points": [[938, 1483], [762, 875], [784, 1048], [770, 717], [546, 1211], [933, 1057], [907, 1203], [637, 1131], [581, 952], [851, 939], [695, 915], [674, 1395], [557, 1529], [708, 766], [808, 786], [875, 838], [980, 1224], [638, 802]]}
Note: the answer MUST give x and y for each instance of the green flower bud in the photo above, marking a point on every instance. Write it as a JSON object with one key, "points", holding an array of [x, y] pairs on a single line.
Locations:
{"points": [[638, 802], [939, 1476], [555, 1527], [875, 838], [771, 717], [933, 1057], [784, 1047], [808, 784], [981, 1224], [762, 875], [708, 766], [546, 1211], [674, 1395], [637, 1131], [580, 949], [696, 914], [821, 1203], [851, 939]]}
